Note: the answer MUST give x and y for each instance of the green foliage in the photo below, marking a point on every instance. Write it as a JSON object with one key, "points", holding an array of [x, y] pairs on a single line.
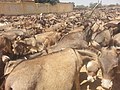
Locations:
{"points": [[53, 2], [81, 7], [92, 5]]}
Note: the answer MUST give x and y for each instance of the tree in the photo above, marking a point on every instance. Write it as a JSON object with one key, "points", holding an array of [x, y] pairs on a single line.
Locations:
{"points": [[47, 1], [92, 5], [53, 1], [81, 7]]}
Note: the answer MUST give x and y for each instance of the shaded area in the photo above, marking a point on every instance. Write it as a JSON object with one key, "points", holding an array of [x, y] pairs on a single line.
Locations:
{"points": [[96, 85]]}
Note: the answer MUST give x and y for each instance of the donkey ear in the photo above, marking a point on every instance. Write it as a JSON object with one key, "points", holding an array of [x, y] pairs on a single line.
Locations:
{"points": [[5, 58], [99, 53]]}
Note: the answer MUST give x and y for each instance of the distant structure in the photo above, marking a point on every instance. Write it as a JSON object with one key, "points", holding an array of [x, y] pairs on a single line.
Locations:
{"points": [[25, 7]]}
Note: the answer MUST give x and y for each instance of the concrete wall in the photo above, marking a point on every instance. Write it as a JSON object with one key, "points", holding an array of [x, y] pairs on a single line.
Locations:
{"points": [[12, 8]]}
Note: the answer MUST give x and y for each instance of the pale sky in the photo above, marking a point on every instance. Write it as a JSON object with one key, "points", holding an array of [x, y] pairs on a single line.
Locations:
{"points": [[86, 2]]}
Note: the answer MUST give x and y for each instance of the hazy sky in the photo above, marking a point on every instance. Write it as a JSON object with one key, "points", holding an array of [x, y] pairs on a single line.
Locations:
{"points": [[86, 2]]}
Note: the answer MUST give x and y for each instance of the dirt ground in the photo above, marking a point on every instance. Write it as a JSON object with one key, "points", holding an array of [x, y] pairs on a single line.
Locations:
{"points": [[89, 85]]}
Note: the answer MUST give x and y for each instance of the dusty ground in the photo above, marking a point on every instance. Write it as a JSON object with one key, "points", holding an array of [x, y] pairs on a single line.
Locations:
{"points": [[89, 85]]}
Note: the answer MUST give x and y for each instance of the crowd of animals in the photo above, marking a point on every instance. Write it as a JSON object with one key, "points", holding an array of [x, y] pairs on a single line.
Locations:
{"points": [[47, 51]]}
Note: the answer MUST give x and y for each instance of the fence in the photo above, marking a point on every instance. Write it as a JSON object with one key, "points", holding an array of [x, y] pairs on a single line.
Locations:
{"points": [[13, 8]]}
